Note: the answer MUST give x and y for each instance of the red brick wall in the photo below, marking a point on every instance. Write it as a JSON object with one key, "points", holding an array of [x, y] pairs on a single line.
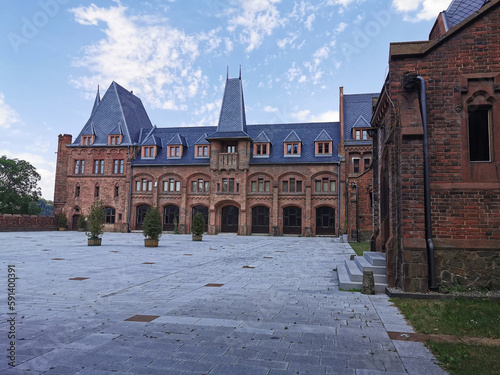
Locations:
{"points": [[22, 223], [465, 195]]}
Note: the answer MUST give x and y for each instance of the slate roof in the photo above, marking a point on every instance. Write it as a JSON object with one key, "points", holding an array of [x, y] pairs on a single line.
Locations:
{"points": [[177, 139], [357, 112], [323, 136], [117, 108], [262, 138], [459, 10], [275, 133], [292, 137], [232, 119]]}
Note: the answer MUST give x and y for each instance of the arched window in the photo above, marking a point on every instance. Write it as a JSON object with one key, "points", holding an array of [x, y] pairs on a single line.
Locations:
{"points": [[109, 212]]}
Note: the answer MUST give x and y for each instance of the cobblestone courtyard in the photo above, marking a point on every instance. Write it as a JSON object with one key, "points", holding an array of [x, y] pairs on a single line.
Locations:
{"points": [[227, 305]]}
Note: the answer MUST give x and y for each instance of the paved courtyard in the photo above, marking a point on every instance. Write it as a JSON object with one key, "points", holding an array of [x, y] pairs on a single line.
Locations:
{"points": [[227, 305]]}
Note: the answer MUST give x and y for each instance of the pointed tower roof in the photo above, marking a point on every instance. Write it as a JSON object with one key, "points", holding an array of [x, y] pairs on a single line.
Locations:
{"points": [[232, 120], [97, 101], [117, 106]]}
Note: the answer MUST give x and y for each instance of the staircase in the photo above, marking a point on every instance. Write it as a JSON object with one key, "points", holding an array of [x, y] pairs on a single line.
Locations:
{"points": [[351, 272]]}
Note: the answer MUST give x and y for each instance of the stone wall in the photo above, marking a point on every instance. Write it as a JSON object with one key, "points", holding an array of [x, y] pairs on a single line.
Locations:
{"points": [[22, 223]]}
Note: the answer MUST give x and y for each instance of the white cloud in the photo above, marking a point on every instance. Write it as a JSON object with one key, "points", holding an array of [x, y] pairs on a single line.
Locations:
{"points": [[289, 40], [420, 10], [293, 72], [313, 66], [340, 28], [8, 116], [306, 116], [257, 18], [268, 108], [309, 21], [143, 54]]}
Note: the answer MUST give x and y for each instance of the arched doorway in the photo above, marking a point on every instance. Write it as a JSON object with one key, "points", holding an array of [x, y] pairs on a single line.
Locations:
{"points": [[260, 219], [204, 211], [140, 213], [325, 221], [292, 220], [74, 218], [229, 219], [170, 213]]}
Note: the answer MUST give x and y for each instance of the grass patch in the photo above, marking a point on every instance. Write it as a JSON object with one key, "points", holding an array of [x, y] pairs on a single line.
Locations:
{"points": [[462, 318], [462, 359], [350, 290], [360, 247], [453, 317]]}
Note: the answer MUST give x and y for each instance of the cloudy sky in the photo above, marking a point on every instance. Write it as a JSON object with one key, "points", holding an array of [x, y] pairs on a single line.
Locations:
{"points": [[173, 54]]}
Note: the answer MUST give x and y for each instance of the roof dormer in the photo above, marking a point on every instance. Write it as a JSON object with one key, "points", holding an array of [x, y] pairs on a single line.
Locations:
{"points": [[175, 146], [292, 145], [261, 146], [323, 144]]}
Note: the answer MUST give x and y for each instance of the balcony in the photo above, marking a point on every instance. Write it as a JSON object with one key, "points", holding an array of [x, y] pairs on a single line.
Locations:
{"points": [[228, 161]]}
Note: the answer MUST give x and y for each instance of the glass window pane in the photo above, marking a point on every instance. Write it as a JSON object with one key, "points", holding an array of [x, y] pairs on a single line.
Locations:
{"points": [[299, 186], [292, 185], [333, 186], [318, 186], [267, 186], [285, 186], [207, 187], [261, 185], [150, 185], [231, 185], [194, 186], [254, 186]]}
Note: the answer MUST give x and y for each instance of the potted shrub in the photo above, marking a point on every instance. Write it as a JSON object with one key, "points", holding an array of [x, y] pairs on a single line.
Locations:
{"points": [[95, 223], [62, 221], [198, 227], [152, 227], [82, 223]]}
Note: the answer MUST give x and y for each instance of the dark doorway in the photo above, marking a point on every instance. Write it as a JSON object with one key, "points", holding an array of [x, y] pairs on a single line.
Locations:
{"points": [[260, 219], [325, 221], [141, 212], [170, 213], [204, 212], [292, 220], [74, 222], [230, 219]]}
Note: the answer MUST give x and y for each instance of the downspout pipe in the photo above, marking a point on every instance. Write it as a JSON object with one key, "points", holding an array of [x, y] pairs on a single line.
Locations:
{"points": [[427, 189], [354, 185], [408, 80]]}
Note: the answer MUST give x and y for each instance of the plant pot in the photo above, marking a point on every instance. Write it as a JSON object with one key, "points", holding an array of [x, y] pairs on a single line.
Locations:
{"points": [[197, 237], [62, 228], [81, 229], [151, 243], [94, 241]]}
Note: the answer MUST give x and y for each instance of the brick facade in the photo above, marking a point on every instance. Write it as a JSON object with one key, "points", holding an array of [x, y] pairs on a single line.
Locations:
{"points": [[462, 72]]}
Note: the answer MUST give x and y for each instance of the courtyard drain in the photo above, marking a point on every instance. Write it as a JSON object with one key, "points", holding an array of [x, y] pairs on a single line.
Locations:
{"points": [[188, 255], [142, 318], [214, 285], [268, 257], [114, 251], [250, 267], [148, 263], [79, 278], [57, 258]]}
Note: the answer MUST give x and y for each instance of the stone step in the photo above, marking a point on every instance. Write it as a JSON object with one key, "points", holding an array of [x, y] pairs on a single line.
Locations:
{"points": [[364, 264], [356, 273], [375, 258], [346, 283]]}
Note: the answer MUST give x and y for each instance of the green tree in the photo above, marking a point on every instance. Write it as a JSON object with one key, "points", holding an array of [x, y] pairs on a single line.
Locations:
{"points": [[152, 226], [18, 187], [46, 206]]}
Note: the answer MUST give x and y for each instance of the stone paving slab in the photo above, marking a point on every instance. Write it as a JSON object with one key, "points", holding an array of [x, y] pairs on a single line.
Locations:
{"points": [[273, 306]]}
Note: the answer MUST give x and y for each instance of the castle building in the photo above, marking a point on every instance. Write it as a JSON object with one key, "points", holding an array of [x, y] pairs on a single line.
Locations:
{"points": [[275, 179], [436, 167]]}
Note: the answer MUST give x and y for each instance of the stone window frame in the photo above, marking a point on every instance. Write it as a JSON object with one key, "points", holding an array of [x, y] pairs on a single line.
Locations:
{"points": [[114, 139], [294, 146], [176, 150], [479, 89], [143, 184], [87, 140], [170, 181], [203, 153], [286, 185], [79, 166], [110, 215], [258, 149], [98, 166], [148, 152], [322, 145], [118, 166], [320, 180]]}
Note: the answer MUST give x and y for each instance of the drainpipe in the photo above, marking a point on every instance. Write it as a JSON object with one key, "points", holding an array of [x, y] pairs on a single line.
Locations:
{"points": [[354, 185], [338, 199], [130, 198], [408, 82]]}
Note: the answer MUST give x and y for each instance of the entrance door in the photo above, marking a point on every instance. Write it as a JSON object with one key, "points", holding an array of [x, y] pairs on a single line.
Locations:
{"points": [[170, 213], [141, 212], [325, 221], [230, 219], [74, 222], [292, 220], [204, 212], [260, 219]]}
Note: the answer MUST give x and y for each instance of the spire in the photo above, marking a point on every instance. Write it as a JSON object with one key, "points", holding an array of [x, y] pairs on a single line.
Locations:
{"points": [[227, 74], [97, 101], [240, 72]]}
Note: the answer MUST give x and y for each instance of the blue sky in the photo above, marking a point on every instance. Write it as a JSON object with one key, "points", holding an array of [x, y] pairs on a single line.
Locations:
{"points": [[173, 54]]}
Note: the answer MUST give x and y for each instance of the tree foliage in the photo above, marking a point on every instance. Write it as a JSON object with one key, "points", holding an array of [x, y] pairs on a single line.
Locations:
{"points": [[198, 227], [18, 187], [152, 226], [95, 220], [46, 206]]}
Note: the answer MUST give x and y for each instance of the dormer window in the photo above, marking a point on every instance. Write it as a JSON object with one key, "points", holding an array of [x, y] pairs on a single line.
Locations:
{"points": [[87, 140], [148, 151], [261, 149], [323, 148], [114, 140], [360, 134], [174, 151], [292, 148], [202, 151]]}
